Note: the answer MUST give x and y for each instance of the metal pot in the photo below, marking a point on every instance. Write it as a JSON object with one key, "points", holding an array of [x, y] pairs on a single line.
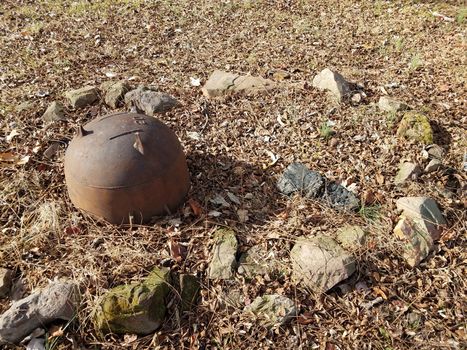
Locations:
{"points": [[126, 165]]}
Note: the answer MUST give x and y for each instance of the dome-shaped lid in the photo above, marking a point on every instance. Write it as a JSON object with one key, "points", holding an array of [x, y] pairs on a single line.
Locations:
{"points": [[121, 150]]}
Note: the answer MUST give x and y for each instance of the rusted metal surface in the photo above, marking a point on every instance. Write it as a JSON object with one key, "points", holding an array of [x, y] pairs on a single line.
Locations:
{"points": [[126, 164]]}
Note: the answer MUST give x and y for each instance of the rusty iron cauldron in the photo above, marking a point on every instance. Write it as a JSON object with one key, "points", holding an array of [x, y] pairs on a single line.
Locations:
{"points": [[126, 165]]}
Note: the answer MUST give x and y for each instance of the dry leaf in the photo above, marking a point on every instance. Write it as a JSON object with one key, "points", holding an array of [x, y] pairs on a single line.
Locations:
{"points": [[55, 331], [380, 178], [12, 134], [378, 291], [242, 215], [23, 160], [7, 157], [175, 250], [195, 207], [305, 318]]}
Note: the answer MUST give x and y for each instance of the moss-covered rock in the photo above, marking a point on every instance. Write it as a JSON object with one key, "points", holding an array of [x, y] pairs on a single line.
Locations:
{"points": [[351, 237], [415, 126], [189, 291], [137, 308]]}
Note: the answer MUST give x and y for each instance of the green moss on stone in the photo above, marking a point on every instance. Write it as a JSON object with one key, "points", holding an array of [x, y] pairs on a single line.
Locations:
{"points": [[416, 126], [135, 308]]}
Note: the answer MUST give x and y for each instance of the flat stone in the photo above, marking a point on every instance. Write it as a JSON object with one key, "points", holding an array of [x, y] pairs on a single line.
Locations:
{"points": [[224, 83], [407, 171], [189, 291], [298, 178], [25, 106], [427, 210], [272, 309], [57, 301], [137, 308], [83, 97], [338, 197], [114, 93], [6, 277], [389, 104], [333, 82], [255, 261], [415, 127], [55, 112], [223, 262], [351, 237], [150, 102], [320, 263], [433, 165]]}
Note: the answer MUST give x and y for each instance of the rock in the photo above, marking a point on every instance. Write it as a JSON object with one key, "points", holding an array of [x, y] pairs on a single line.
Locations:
{"points": [[419, 226], [389, 104], [138, 308], [416, 127], [189, 291], [255, 261], [351, 237], [417, 242], [465, 162], [6, 277], [272, 309], [281, 75], [356, 98], [433, 165], [25, 106], [83, 97], [52, 150], [224, 83], [57, 301], [114, 93], [339, 197], [407, 171], [333, 82], [434, 151], [298, 178], [223, 262], [55, 112], [148, 101], [320, 263], [427, 210]]}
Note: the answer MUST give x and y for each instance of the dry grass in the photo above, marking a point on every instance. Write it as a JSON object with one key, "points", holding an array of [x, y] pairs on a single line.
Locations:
{"points": [[50, 46]]}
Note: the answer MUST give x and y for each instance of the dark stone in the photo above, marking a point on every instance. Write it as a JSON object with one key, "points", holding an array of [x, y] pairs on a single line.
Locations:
{"points": [[339, 197], [189, 291], [298, 178]]}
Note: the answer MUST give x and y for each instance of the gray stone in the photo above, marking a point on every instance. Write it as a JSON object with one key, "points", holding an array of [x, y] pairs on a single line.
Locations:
{"points": [[55, 112], [338, 197], [407, 171], [333, 82], [389, 104], [148, 101], [419, 226], [272, 309], [57, 301], [320, 263], [435, 151], [255, 261], [83, 97], [427, 210], [6, 276], [223, 262], [417, 242], [189, 291], [433, 165], [114, 93], [351, 237], [25, 106], [298, 178], [224, 83], [138, 308]]}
